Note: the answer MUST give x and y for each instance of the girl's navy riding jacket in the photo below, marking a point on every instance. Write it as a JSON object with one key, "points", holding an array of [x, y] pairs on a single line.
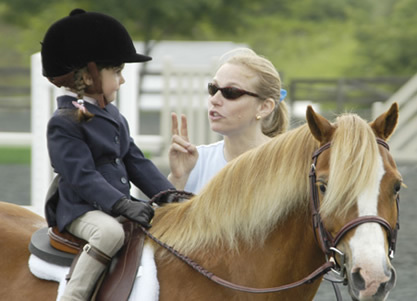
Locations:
{"points": [[97, 160]]}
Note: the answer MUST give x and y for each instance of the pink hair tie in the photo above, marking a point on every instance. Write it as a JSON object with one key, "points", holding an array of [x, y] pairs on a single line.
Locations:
{"points": [[79, 104]]}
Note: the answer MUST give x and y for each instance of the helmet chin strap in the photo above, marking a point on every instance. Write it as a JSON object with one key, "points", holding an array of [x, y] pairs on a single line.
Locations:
{"points": [[96, 88]]}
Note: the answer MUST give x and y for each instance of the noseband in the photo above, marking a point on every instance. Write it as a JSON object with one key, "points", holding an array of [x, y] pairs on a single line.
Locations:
{"points": [[327, 242]]}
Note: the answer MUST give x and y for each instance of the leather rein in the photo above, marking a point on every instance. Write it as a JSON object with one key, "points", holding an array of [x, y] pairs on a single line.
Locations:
{"points": [[310, 278], [325, 240]]}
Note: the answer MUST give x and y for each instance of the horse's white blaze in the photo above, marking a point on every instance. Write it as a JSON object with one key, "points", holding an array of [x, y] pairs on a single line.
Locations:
{"points": [[367, 243]]}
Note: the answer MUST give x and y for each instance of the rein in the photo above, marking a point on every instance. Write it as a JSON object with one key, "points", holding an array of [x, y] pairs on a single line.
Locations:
{"points": [[327, 266]]}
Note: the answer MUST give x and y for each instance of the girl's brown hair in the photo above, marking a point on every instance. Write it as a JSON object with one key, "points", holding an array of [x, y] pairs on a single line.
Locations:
{"points": [[80, 87]]}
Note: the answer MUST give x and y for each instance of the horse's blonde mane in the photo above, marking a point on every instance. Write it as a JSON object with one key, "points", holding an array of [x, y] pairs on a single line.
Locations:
{"points": [[246, 200], [353, 162]]}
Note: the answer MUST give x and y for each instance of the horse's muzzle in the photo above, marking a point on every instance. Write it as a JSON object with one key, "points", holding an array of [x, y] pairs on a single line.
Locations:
{"points": [[362, 287]]}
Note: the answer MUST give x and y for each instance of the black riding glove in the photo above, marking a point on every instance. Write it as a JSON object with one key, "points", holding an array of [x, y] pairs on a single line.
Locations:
{"points": [[136, 211]]}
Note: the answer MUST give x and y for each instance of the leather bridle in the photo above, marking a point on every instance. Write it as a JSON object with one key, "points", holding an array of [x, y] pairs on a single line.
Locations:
{"points": [[325, 239]]}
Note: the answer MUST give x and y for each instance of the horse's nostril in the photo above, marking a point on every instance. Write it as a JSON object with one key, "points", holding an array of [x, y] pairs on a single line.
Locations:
{"points": [[382, 289], [387, 286], [359, 282]]}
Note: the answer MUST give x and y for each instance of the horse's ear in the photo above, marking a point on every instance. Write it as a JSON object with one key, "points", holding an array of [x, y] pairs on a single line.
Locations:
{"points": [[319, 126], [385, 124]]}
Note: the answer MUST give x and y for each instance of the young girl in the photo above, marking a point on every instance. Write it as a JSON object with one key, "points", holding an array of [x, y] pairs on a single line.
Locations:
{"points": [[89, 142]]}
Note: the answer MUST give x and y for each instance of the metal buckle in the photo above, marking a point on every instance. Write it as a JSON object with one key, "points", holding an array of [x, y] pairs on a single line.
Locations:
{"points": [[336, 275], [391, 254], [333, 276], [87, 248]]}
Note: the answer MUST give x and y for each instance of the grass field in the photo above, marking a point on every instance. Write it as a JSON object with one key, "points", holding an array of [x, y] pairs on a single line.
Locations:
{"points": [[21, 155], [14, 155]]}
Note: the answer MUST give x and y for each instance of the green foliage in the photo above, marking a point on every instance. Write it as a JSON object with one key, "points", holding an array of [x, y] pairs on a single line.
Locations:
{"points": [[304, 49], [314, 38], [389, 43], [25, 23]]}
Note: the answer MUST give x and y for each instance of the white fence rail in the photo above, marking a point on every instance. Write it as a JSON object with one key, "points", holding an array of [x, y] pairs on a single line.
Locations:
{"points": [[403, 143], [15, 139]]}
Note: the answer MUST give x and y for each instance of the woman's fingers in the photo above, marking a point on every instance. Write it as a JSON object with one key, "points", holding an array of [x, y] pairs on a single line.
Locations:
{"points": [[179, 147], [174, 129], [184, 127], [180, 142]]}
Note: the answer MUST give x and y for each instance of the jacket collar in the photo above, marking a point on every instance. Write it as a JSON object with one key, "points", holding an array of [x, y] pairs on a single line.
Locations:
{"points": [[109, 111]]}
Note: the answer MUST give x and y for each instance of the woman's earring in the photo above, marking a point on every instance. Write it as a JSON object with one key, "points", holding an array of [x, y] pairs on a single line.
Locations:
{"points": [[258, 117]]}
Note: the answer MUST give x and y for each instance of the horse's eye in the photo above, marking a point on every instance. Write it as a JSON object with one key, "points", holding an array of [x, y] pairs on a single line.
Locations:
{"points": [[397, 187], [322, 187]]}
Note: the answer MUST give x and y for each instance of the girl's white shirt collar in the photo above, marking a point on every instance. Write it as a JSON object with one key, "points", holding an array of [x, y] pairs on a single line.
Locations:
{"points": [[85, 98]]}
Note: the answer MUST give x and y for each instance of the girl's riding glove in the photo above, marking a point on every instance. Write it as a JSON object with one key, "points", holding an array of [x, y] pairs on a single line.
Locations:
{"points": [[140, 212]]}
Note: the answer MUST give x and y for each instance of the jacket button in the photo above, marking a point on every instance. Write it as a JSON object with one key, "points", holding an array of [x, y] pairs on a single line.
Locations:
{"points": [[117, 161], [116, 139], [123, 180]]}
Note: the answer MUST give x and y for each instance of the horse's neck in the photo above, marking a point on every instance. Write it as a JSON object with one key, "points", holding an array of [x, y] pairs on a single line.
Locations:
{"points": [[291, 246], [289, 254]]}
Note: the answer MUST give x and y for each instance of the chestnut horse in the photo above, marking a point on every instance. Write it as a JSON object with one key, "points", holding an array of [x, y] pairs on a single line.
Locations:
{"points": [[252, 223]]}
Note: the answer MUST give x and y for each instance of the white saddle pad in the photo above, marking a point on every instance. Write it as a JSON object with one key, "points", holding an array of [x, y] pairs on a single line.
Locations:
{"points": [[146, 285]]}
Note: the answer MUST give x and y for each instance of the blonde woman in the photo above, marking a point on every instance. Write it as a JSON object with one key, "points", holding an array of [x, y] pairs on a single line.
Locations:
{"points": [[245, 106]]}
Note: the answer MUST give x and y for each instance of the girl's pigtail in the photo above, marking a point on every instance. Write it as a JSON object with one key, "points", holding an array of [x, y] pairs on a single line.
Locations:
{"points": [[83, 114]]}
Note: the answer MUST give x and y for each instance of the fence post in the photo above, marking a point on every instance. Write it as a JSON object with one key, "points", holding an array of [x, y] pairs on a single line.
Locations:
{"points": [[128, 104], [128, 97], [43, 103]]}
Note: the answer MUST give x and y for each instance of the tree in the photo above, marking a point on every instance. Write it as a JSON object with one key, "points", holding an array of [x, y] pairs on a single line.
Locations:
{"points": [[147, 20], [388, 42], [153, 21], [305, 37]]}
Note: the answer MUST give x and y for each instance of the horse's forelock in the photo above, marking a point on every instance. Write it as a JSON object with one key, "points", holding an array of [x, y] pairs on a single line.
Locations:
{"points": [[353, 164]]}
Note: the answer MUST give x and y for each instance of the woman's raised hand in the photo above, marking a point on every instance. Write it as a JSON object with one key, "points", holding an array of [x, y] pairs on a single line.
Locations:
{"points": [[182, 154]]}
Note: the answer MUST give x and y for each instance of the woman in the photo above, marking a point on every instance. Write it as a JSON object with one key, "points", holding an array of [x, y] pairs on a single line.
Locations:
{"points": [[245, 106]]}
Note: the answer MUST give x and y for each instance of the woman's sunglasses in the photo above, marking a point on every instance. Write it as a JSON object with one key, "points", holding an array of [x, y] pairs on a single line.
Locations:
{"points": [[229, 92]]}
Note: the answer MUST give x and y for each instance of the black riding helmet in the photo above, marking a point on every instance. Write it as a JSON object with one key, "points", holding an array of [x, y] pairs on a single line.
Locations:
{"points": [[82, 38]]}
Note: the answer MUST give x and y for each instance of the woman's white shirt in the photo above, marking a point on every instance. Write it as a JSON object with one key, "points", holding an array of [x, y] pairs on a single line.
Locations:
{"points": [[210, 161]]}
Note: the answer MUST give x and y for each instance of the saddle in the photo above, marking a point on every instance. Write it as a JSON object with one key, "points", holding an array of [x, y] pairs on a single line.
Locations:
{"points": [[119, 278], [63, 248]]}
